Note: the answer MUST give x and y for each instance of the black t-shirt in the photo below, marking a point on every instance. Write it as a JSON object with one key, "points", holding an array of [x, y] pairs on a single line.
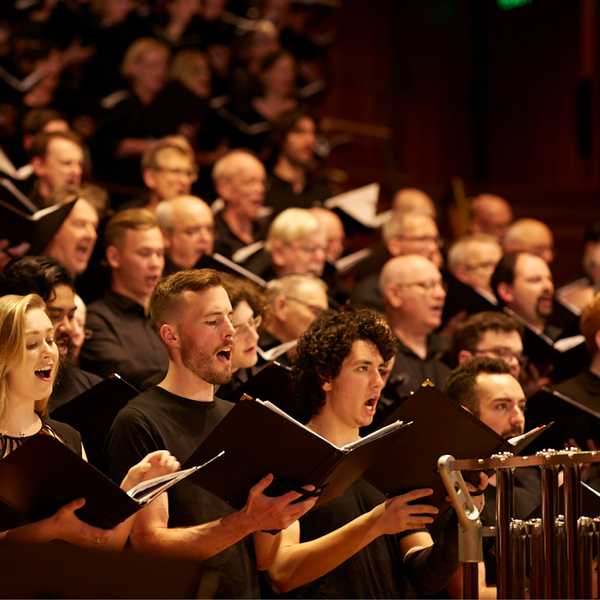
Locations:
{"points": [[159, 420], [375, 571], [71, 382]]}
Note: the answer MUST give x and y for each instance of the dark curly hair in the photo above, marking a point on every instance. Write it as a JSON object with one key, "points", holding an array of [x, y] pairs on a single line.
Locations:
{"points": [[325, 345]]}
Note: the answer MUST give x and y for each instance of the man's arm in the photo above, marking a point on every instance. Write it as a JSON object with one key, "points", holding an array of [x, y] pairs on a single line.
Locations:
{"points": [[261, 513], [291, 564]]}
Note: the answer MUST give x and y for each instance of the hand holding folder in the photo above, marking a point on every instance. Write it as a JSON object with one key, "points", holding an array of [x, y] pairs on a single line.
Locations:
{"points": [[259, 438], [43, 475]]}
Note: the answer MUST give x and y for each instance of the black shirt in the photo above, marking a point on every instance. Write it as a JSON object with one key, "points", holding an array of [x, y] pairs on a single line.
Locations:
{"points": [[122, 340], [410, 370], [374, 572], [70, 382], [281, 195], [227, 242], [159, 420]]}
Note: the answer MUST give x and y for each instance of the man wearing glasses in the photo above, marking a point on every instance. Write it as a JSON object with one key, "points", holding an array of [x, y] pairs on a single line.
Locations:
{"points": [[168, 170], [491, 334], [414, 298], [402, 234]]}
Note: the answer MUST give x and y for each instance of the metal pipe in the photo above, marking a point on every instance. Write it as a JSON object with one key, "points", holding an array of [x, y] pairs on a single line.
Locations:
{"points": [[571, 485], [549, 488], [518, 558], [536, 572], [504, 497]]}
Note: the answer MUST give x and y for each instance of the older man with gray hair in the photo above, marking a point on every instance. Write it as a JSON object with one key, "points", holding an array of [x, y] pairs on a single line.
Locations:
{"points": [[188, 230], [402, 234], [414, 296], [295, 245], [240, 180]]}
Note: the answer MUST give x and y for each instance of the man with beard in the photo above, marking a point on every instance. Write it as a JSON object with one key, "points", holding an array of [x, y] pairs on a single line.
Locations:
{"points": [[192, 313], [292, 182], [486, 387], [414, 297], [50, 280], [523, 283], [122, 339]]}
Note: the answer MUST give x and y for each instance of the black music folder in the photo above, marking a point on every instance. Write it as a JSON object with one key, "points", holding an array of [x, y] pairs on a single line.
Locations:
{"points": [[259, 438], [462, 297], [272, 382], [43, 475], [440, 426], [18, 224], [92, 413], [558, 359], [574, 419]]}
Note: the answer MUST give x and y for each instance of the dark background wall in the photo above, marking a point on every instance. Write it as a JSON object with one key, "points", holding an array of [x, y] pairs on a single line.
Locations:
{"points": [[439, 89]]}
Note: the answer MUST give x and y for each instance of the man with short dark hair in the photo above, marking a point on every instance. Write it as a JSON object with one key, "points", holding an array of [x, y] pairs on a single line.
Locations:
{"points": [[122, 338], [58, 161], [523, 283], [492, 334], [46, 277], [486, 387], [191, 311]]}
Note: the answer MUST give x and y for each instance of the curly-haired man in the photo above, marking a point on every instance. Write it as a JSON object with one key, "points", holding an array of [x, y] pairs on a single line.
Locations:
{"points": [[350, 547]]}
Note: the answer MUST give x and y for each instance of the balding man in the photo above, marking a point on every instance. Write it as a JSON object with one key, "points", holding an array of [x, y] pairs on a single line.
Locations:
{"points": [[294, 302], [472, 260], [402, 234], [530, 235], [240, 181], [188, 230], [414, 296], [413, 200], [334, 232], [490, 214]]}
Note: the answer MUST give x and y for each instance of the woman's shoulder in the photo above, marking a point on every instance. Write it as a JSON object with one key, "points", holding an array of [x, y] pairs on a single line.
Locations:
{"points": [[66, 433]]}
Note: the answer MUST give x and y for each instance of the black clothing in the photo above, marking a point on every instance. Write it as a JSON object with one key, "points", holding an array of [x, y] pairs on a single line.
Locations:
{"points": [[585, 388], [157, 420], [409, 371], [374, 572], [61, 431], [379, 569], [366, 293], [280, 194], [122, 341], [70, 382], [227, 242]]}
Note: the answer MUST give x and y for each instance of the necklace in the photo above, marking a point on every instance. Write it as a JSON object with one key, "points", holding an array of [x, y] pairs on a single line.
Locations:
{"points": [[21, 434]]}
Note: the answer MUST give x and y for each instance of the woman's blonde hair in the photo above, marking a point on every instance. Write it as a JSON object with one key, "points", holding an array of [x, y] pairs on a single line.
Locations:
{"points": [[13, 311]]}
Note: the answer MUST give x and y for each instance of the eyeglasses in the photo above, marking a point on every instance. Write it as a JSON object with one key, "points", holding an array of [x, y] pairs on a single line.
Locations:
{"points": [[251, 324], [189, 173], [423, 239], [197, 230], [309, 249], [501, 352], [426, 286], [316, 310], [488, 264]]}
